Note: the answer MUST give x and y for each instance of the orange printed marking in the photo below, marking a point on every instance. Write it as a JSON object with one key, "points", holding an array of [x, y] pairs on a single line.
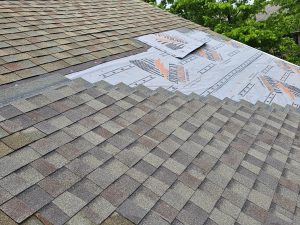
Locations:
{"points": [[216, 56], [268, 85], [286, 66], [294, 68], [162, 69], [235, 44], [286, 90], [180, 73], [202, 53]]}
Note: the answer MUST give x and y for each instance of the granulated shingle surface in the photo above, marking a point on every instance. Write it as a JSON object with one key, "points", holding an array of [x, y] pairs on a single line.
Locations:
{"points": [[114, 154]]}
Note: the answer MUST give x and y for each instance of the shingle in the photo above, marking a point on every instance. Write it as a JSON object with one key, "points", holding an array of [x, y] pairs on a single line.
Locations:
{"points": [[284, 202], [168, 146], [42, 113], [228, 208], [205, 162], [108, 173], [9, 111], [190, 180], [174, 166], [154, 160], [75, 148], [182, 134], [174, 199], [4, 149], [56, 159], [52, 66], [255, 212], [147, 143], [43, 166], [119, 141], [153, 217], [93, 138], [120, 190], [115, 218], [53, 214], [192, 214], [19, 65], [17, 123], [144, 198], [79, 167], [13, 184], [30, 72], [69, 203], [155, 185], [58, 182], [245, 220], [165, 175], [23, 138], [132, 211], [17, 210], [24, 105], [85, 190], [165, 211], [204, 200], [4, 219], [221, 218], [35, 197], [132, 154], [139, 127], [98, 210]]}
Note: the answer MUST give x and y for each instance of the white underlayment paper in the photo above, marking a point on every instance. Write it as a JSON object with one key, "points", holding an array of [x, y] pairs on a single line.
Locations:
{"points": [[223, 68]]}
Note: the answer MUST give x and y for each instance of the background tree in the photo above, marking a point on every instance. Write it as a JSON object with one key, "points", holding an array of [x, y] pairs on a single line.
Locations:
{"points": [[237, 19], [153, 2]]}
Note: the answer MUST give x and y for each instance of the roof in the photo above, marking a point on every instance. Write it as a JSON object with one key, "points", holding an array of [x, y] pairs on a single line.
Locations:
{"points": [[40, 37], [79, 153]]}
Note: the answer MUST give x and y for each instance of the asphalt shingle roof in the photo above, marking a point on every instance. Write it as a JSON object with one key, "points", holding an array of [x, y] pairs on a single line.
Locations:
{"points": [[40, 37], [78, 152]]}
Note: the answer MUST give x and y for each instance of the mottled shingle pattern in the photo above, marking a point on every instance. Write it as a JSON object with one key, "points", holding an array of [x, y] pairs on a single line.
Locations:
{"points": [[41, 37], [97, 153]]}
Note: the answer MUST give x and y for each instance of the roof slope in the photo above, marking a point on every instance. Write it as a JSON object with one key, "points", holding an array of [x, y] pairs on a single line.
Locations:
{"points": [[76, 152], [39, 37]]}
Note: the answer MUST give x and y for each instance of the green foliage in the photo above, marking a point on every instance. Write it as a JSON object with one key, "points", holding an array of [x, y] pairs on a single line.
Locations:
{"points": [[153, 2], [237, 19], [162, 3], [225, 14]]}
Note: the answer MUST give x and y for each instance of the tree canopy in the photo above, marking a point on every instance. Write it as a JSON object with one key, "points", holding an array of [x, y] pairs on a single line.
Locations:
{"points": [[237, 19]]}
